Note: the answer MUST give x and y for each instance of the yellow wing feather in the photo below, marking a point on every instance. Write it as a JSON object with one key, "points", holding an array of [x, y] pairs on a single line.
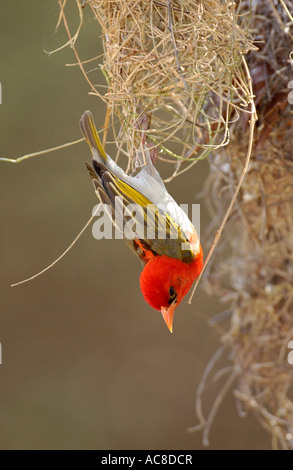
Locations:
{"points": [[91, 135]]}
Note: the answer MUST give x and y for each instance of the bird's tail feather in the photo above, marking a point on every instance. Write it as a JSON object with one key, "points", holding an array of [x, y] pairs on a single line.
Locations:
{"points": [[90, 133]]}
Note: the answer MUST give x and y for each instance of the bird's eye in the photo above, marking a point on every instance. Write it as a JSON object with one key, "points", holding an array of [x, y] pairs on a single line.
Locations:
{"points": [[172, 293]]}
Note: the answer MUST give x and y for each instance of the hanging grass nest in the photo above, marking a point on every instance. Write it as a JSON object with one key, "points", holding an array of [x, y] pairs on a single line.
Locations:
{"points": [[180, 63]]}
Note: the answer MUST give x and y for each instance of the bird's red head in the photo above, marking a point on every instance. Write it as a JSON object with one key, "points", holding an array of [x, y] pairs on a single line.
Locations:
{"points": [[164, 282]]}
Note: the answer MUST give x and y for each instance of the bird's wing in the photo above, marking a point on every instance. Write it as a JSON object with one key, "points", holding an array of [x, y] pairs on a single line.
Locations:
{"points": [[155, 231]]}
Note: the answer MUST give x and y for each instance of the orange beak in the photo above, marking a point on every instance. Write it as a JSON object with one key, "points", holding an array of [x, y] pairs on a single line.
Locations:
{"points": [[168, 313]]}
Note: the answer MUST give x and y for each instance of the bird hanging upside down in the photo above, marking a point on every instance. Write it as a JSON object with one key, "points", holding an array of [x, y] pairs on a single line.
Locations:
{"points": [[171, 264]]}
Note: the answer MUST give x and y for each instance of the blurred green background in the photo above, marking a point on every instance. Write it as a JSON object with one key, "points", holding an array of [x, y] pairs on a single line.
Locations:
{"points": [[86, 362]]}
